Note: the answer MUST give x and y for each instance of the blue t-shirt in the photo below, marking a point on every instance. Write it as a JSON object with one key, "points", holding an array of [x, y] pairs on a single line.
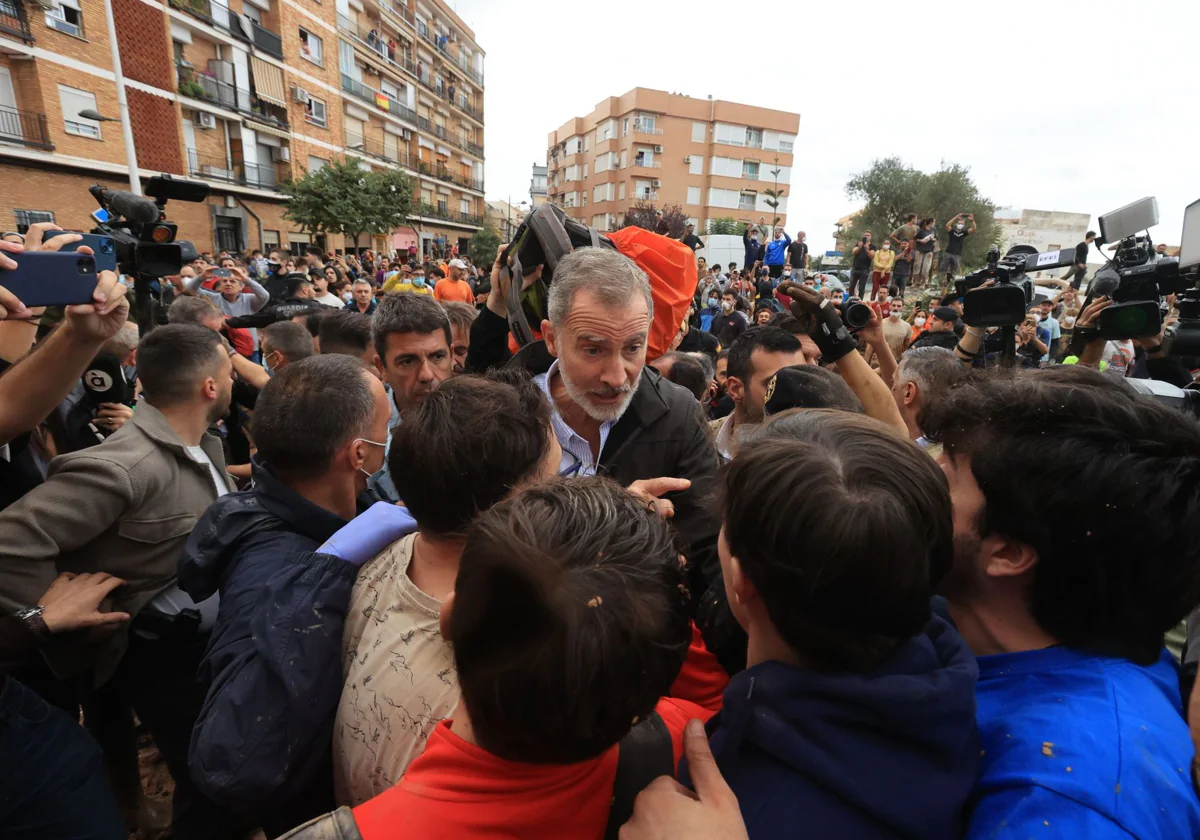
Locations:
{"points": [[1050, 325], [1082, 746]]}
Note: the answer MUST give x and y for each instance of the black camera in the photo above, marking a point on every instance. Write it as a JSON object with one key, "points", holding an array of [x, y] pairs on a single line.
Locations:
{"points": [[1005, 303], [855, 314]]}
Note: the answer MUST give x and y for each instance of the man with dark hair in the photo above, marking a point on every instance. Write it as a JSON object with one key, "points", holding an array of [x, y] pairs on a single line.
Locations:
{"points": [[283, 343], [731, 323], [587, 586], [126, 506], [1065, 603], [299, 301], [261, 745], [314, 258], [849, 660], [925, 375], [1078, 269], [860, 268], [683, 370], [952, 256], [458, 453], [697, 340], [753, 361], [752, 244], [940, 332], [348, 334], [411, 335]]}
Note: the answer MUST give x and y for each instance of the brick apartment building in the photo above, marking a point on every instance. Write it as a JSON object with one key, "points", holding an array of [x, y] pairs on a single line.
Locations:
{"points": [[714, 158], [243, 97]]}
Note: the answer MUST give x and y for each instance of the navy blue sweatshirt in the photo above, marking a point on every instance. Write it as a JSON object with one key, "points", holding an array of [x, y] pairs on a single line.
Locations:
{"points": [[893, 753]]}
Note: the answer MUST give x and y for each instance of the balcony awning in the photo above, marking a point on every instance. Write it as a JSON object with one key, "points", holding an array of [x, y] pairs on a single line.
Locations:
{"points": [[268, 82], [267, 128]]}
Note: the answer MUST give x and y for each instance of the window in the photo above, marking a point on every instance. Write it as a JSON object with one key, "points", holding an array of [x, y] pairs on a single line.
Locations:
{"points": [[733, 135], [73, 101], [270, 239], [699, 132], [32, 217], [585, 171], [441, 205], [314, 112], [746, 200], [587, 142], [754, 138], [621, 191], [786, 144], [311, 47], [605, 162], [625, 127], [696, 165], [693, 195], [583, 199], [574, 146], [723, 198], [464, 206], [602, 192], [64, 15], [750, 170], [316, 164]]}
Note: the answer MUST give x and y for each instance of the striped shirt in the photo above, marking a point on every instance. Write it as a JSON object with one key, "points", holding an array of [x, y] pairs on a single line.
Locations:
{"points": [[576, 451]]}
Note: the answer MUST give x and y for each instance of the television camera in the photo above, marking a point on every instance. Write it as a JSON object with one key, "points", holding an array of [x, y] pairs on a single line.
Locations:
{"points": [[145, 240]]}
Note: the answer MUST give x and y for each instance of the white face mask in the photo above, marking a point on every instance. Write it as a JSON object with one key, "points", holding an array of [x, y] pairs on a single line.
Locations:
{"points": [[896, 313], [727, 306], [919, 321], [959, 226]]}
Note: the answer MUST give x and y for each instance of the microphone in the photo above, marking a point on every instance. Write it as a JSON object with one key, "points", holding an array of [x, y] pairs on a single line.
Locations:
{"points": [[1105, 282], [104, 380], [133, 207]]}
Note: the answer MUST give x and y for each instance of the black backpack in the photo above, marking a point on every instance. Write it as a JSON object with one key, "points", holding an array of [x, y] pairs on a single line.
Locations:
{"points": [[545, 236], [643, 755]]}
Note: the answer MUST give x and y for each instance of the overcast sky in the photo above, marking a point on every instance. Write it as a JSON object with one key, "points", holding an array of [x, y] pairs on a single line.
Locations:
{"points": [[1053, 104]]}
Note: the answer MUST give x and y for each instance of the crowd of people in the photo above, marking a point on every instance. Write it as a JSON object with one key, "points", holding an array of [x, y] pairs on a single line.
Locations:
{"points": [[362, 567]]}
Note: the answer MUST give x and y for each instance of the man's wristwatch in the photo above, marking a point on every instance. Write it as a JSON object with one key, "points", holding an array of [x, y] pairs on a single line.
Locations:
{"points": [[31, 617]]}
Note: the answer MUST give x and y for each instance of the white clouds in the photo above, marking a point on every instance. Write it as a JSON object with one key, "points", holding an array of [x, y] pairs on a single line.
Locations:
{"points": [[1054, 104]]}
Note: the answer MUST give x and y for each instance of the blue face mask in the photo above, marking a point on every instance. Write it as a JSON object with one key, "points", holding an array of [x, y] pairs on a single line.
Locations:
{"points": [[418, 282], [712, 301]]}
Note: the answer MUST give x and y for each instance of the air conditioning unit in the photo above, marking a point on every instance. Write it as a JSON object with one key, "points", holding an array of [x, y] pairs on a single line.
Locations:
{"points": [[281, 154], [687, 159], [656, 183], [300, 95], [204, 120], [658, 150]]}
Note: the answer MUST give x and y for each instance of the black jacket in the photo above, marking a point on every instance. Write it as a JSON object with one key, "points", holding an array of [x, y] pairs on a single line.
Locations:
{"points": [[263, 743], [948, 339], [662, 434]]}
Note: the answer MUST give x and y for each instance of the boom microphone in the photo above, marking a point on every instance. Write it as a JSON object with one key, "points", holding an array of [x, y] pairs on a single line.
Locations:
{"points": [[133, 207]]}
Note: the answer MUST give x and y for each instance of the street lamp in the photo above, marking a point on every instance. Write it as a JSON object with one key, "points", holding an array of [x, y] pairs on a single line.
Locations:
{"points": [[135, 181]]}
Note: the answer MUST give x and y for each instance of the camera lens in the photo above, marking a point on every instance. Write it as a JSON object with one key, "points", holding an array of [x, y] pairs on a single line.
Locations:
{"points": [[857, 315]]}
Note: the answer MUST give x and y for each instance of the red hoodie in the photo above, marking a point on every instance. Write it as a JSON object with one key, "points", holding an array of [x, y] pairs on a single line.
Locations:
{"points": [[702, 680], [458, 791]]}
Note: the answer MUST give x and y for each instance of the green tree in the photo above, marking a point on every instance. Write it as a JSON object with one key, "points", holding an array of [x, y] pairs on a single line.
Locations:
{"points": [[345, 199], [891, 189], [484, 245], [726, 226]]}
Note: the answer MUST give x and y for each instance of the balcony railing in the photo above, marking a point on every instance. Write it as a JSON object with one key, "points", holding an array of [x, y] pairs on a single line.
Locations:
{"points": [[356, 88], [444, 174], [265, 176], [399, 10], [641, 163], [13, 20], [210, 89], [266, 40], [376, 41], [25, 127], [647, 195], [646, 128], [433, 211], [385, 102], [375, 148]]}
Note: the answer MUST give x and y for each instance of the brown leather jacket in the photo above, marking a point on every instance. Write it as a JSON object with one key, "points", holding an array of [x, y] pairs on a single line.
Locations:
{"points": [[124, 506]]}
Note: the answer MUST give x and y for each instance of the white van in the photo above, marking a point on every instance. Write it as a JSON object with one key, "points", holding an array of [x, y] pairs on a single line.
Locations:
{"points": [[722, 248]]}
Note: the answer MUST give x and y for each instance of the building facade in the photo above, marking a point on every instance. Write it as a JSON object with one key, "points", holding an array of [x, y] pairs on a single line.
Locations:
{"points": [[1045, 230], [716, 159], [242, 95], [505, 218], [537, 186]]}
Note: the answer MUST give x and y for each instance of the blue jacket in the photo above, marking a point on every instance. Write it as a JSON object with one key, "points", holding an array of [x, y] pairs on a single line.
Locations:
{"points": [[706, 316], [754, 249], [263, 742], [889, 754], [1093, 745], [777, 250]]}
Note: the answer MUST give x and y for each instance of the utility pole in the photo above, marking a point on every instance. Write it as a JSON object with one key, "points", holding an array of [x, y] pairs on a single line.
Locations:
{"points": [[135, 181]]}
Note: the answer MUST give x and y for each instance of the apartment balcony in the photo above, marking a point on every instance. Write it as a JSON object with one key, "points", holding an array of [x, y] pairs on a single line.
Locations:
{"points": [[373, 40], [358, 89], [209, 88], [640, 127], [647, 195], [25, 128], [400, 11], [265, 176], [444, 174], [436, 211], [264, 39], [641, 163], [375, 148], [13, 20]]}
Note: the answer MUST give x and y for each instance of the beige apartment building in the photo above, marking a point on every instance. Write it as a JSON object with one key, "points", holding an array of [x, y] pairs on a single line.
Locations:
{"points": [[243, 95], [714, 158]]}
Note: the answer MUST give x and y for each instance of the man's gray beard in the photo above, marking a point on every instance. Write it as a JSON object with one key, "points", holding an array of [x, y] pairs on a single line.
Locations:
{"points": [[603, 414]]}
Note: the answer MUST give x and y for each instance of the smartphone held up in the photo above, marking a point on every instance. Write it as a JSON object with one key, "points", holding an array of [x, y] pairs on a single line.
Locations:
{"points": [[51, 278]]}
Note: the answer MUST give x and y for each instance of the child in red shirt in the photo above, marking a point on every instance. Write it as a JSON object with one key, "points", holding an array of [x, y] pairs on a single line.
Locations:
{"points": [[569, 624]]}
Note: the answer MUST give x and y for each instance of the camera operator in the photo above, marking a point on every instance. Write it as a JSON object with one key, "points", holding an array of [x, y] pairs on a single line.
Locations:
{"points": [[125, 507], [33, 384], [1117, 358], [1065, 604]]}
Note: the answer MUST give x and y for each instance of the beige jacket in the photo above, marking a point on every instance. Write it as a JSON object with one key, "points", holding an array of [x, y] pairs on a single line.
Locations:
{"points": [[125, 506]]}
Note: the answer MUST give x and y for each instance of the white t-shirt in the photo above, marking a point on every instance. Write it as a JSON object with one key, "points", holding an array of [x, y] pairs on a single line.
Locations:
{"points": [[201, 457], [330, 299], [1119, 355]]}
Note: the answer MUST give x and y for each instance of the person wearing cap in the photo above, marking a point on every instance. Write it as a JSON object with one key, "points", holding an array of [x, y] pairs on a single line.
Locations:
{"points": [[941, 330], [690, 238], [455, 286]]}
